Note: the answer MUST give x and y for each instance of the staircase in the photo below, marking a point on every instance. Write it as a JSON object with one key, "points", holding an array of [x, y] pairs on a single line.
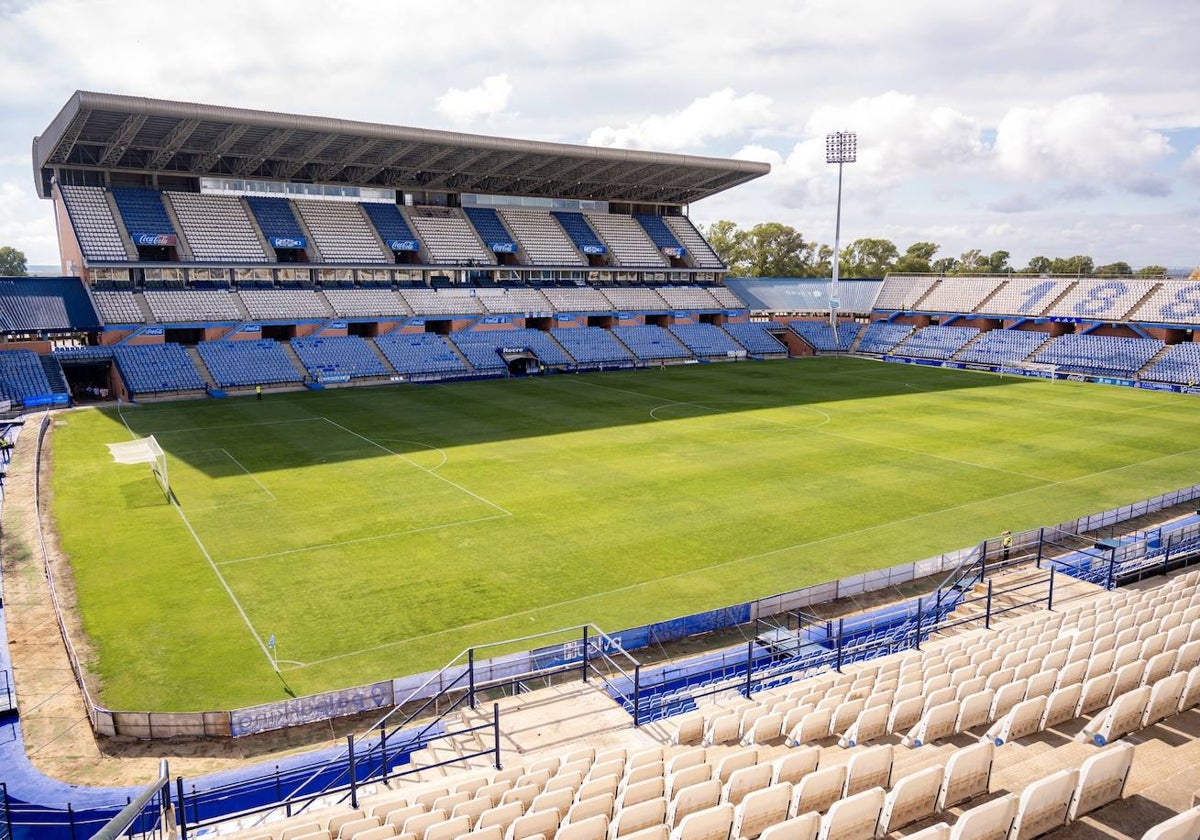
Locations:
{"points": [[198, 364], [144, 308], [55, 375], [130, 249], [387, 365], [1155, 359], [294, 359]]}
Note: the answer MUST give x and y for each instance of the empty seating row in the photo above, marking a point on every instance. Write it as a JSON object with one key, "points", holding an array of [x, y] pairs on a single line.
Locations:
{"points": [[92, 219], [366, 303], [821, 335], [936, 342], [1002, 347], [338, 356], [651, 343], [688, 297], [483, 347], [285, 304], [627, 241], [216, 227], [191, 305], [703, 256], [238, 364], [518, 301], [958, 294], [418, 354], [22, 377], [592, 345], [449, 238], [903, 293], [157, 368], [1180, 365], [705, 340], [143, 213], [1099, 354], [756, 338], [880, 337], [491, 230], [340, 231], [543, 238]]}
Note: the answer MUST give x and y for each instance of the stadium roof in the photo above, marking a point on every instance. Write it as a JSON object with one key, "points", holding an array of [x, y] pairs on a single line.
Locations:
{"points": [[134, 134]]}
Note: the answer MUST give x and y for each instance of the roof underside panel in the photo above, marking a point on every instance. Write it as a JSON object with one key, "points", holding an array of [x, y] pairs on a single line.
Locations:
{"points": [[153, 136]]}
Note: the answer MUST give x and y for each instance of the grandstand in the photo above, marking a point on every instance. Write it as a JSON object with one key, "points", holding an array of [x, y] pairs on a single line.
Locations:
{"points": [[191, 287]]}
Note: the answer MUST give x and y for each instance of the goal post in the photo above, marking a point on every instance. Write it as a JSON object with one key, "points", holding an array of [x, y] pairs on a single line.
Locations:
{"points": [[144, 451]]}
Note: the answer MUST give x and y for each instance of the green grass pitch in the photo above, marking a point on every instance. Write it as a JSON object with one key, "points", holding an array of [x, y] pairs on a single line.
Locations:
{"points": [[379, 532]]}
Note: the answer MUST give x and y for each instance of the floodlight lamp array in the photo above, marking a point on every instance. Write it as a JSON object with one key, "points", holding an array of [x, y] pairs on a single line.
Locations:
{"points": [[841, 147]]}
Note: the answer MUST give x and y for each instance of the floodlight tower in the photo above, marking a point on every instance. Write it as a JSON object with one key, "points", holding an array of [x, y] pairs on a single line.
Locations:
{"points": [[841, 148]]}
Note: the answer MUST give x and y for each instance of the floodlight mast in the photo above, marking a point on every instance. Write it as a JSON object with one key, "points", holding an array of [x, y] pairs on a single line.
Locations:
{"points": [[841, 148]]}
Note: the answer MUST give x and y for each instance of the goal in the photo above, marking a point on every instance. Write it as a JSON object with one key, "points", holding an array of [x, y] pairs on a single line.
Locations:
{"points": [[144, 451], [1033, 369]]}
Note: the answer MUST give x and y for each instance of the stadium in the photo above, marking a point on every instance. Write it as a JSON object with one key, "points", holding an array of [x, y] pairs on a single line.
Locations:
{"points": [[468, 452]]}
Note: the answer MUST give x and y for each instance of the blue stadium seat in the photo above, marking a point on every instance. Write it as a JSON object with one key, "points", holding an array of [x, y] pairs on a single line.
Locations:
{"points": [[234, 364], [143, 212], [1180, 365], [420, 354], [705, 340], [23, 379], [338, 357], [820, 335], [481, 347], [651, 343], [275, 218], [660, 234], [491, 230], [391, 226], [592, 346], [937, 342], [1002, 347], [881, 337], [1099, 355], [754, 337], [580, 231], [157, 368]]}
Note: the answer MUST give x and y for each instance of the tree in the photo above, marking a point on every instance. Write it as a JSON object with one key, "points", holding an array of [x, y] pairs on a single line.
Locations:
{"points": [[998, 262], [916, 259], [868, 258], [1119, 267], [1079, 265], [1152, 271], [729, 243], [972, 262], [773, 249], [946, 265], [1039, 265], [12, 262]]}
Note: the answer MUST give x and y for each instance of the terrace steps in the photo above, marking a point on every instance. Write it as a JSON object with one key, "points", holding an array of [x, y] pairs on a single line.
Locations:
{"points": [[126, 239], [379, 354], [194, 355], [144, 308]]}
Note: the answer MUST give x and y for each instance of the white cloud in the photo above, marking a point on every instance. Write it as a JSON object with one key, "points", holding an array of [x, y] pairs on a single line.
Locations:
{"points": [[1082, 140], [487, 99], [720, 114], [1191, 166], [27, 224]]}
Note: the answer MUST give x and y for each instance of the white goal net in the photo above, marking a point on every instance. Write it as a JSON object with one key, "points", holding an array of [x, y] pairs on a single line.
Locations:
{"points": [[143, 451]]}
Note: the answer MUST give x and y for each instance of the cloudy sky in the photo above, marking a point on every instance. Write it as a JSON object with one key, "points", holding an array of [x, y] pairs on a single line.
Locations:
{"points": [[1052, 127]]}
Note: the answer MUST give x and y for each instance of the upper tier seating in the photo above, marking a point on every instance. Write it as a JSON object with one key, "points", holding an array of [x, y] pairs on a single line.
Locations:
{"points": [[217, 228], [754, 337], [235, 364], [95, 228], [514, 301], [661, 235], [285, 304], [903, 292], [491, 230], [959, 294], [635, 298], [157, 368], [880, 337], [1180, 364], [366, 303], [143, 212], [481, 347], [592, 345], [333, 356], [453, 301], [820, 335], [391, 226], [192, 305], [580, 232], [22, 377], [651, 343], [627, 242], [448, 237], [1099, 354], [544, 240], [705, 340], [341, 232], [39, 304], [1002, 347], [117, 307], [697, 246], [1028, 296], [416, 354], [577, 299], [688, 297], [275, 218], [1103, 300], [725, 296], [936, 342], [1175, 303]]}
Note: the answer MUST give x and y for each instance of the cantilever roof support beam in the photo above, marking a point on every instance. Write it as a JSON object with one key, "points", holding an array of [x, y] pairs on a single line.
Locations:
{"points": [[120, 143]]}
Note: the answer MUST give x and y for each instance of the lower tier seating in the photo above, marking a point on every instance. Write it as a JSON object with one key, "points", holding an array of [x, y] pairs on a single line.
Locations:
{"points": [[592, 345], [415, 354], [820, 335], [239, 364], [338, 356], [651, 343], [755, 338], [157, 368]]}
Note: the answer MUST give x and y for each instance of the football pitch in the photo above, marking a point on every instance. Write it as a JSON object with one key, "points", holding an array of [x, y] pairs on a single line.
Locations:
{"points": [[379, 532]]}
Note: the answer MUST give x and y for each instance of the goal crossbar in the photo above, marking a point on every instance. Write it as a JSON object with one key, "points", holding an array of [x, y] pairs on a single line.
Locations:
{"points": [[143, 451]]}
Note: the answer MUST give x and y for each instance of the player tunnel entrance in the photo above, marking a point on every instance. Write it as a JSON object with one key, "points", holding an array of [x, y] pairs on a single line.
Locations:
{"points": [[520, 361]]}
